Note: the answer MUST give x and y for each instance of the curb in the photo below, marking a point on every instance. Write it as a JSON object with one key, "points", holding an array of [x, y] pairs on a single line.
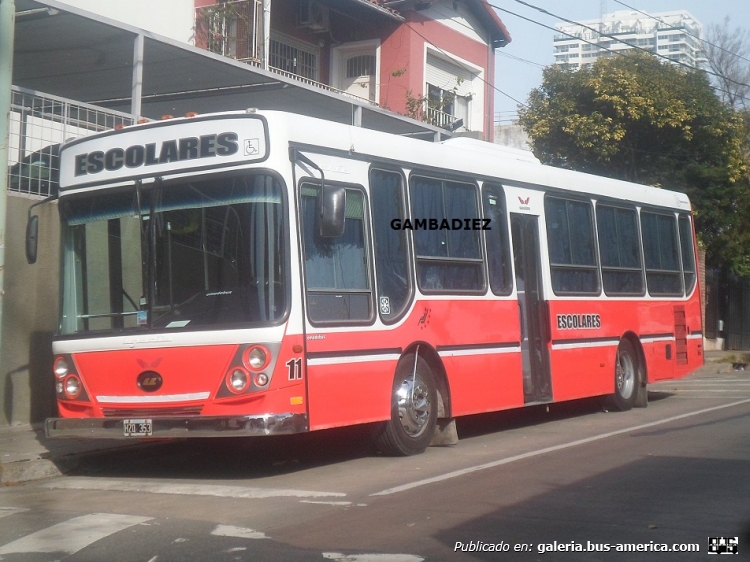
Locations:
{"points": [[13, 473], [28, 470]]}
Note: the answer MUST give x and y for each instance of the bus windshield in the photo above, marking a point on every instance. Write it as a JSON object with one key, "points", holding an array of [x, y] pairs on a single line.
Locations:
{"points": [[192, 255]]}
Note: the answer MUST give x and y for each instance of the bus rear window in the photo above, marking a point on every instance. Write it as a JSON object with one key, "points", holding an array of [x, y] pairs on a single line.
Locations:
{"points": [[663, 273]]}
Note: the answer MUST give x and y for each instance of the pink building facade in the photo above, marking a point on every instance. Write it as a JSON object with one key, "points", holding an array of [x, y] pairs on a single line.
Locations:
{"points": [[432, 60]]}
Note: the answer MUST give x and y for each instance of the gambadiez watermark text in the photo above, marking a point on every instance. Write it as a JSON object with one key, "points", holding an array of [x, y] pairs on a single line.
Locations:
{"points": [[573, 546], [442, 224]]}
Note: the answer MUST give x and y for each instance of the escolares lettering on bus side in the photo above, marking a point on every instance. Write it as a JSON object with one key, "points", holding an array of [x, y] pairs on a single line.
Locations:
{"points": [[173, 150], [578, 321]]}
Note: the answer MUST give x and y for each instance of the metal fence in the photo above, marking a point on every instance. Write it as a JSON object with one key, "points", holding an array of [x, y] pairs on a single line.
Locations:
{"points": [[737, 321], [728, 309], [38, 124], [712, 305]]}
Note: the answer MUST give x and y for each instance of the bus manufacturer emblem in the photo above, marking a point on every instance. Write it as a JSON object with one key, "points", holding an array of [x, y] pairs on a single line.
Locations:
{"points": [[149, 381]]}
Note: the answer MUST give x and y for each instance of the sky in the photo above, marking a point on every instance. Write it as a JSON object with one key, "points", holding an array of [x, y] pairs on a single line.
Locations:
{"points": [[533, 43]]}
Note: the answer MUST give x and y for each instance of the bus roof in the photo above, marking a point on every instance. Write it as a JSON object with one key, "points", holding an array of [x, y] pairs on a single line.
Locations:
{"points": [[467, 156], [460, 156]]}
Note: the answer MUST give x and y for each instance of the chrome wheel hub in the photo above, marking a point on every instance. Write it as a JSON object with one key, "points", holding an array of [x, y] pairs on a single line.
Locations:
{"points": [[414, 407], [625, 375]]}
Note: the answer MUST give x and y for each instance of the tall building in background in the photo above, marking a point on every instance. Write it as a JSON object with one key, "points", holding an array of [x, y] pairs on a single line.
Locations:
{"points": [[674, 35]]}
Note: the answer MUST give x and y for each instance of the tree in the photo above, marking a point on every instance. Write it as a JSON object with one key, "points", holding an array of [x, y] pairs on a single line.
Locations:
{"points": [[635, 118], [728, 55]]}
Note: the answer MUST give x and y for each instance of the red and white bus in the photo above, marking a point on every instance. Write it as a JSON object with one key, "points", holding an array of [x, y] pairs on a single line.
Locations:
{"points": [[261, 272]]}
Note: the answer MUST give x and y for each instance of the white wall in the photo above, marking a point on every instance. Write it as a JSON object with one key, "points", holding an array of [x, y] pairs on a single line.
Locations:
{"points": [[171, 18]]}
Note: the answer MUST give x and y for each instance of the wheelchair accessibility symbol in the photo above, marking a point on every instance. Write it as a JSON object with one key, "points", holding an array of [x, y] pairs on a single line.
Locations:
{"points": [[252, 147]]}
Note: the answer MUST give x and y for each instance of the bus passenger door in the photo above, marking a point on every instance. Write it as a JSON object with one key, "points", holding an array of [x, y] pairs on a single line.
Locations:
{"points": [[534, 317]]}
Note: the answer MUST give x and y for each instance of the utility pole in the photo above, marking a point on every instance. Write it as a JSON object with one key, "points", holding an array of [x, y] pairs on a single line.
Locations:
{"points": [[7, 36]]}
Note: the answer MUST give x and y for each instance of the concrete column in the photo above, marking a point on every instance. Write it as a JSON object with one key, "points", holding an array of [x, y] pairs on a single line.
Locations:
{"points": [[137, 86], [7, 38]]}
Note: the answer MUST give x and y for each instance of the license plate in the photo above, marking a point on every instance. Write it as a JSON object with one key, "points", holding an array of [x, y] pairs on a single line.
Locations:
{"points": [[137, 428]]}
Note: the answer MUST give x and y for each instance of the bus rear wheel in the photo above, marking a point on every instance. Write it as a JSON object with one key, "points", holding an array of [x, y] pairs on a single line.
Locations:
{"points": [[413, 410], [627, 376]]}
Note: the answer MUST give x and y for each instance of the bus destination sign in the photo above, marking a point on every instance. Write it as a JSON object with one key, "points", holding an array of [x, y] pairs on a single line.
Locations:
{"points": [[166, 147]]}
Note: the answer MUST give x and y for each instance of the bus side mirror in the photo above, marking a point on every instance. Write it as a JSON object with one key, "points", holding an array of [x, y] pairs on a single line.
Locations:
{"points": [[332, 211], [32, 236]]}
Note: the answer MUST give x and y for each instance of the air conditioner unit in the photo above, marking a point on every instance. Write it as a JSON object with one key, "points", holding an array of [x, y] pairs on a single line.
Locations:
{"points": [[313, 15]]}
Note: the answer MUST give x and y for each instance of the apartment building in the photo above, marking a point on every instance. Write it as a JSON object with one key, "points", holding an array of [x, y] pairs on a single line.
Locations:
{"points": [[674, 35]]}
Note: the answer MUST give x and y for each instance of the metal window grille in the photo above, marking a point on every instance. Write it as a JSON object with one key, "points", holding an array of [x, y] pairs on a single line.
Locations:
{"points": [[293, 59], [362, 65], [38, 124]]}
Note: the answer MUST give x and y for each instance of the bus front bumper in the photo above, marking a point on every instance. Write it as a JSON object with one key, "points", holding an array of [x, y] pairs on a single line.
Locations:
{"points": [[177, 427]]}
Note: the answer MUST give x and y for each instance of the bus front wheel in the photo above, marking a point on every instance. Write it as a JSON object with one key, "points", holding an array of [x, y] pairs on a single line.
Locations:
{"points": [[413, 410], [627, 376]]}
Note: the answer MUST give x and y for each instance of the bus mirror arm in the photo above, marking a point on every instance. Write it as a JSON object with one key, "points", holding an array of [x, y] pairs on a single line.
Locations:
{"points": [[332, 206], [32, 231]]}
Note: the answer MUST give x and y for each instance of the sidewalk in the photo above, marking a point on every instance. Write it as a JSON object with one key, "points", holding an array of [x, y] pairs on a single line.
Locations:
{"points": [[26, 454]]}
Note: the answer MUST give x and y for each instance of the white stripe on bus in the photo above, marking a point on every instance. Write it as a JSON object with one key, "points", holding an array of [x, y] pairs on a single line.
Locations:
{"points": [[479, 351], [584, 344], [340, 360], [171, 339], [657, 339], [153, 399]]}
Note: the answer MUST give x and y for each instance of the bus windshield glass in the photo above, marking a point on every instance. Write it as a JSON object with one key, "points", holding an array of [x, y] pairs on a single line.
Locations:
{"points": [[186, 256]]}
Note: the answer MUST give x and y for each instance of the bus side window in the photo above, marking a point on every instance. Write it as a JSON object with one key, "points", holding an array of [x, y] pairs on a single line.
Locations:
{"points": [[663, 273], [619, 250], [572, 255], [447, 260], [498, 245], [688, 256], [336, 269], [391, 244]]}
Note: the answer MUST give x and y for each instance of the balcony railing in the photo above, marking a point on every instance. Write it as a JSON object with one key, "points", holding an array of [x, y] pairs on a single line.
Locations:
{"points": [[232, 29], [235, 29], [440, 118]]}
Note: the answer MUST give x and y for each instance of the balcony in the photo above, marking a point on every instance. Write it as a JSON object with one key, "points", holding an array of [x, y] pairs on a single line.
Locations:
{"points": [[232, 29], [440, 118], [235, 29]]}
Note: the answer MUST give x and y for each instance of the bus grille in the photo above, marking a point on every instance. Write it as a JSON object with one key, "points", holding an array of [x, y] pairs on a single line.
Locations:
{"points": [[151, 412]]}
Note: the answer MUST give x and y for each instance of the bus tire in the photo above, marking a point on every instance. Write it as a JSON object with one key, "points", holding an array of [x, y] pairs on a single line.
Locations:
{"points": [[414, 405], [628, 376]]}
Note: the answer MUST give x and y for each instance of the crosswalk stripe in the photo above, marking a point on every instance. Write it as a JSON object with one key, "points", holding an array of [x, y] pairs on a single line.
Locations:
{"points": [[244, 492], [74, 534], [5, 511], [339, 557], [237, 532]]}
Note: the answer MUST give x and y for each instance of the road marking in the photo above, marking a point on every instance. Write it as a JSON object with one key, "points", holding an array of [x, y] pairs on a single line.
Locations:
{"points": [[325, 503], [339, 557], [237, 532], [500, 462], [74, 534], [706, 382], [737, 390], [240, 492], [5, 511]]}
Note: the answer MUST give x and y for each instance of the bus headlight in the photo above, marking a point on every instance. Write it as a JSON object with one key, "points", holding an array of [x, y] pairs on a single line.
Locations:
{"points": [[61, 368], [72, 386], [261, 379], [237, 381], [256, 358]]}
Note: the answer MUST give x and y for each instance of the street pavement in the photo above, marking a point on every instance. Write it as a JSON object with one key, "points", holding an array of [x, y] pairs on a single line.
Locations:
{"points": [[26, 454]]}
